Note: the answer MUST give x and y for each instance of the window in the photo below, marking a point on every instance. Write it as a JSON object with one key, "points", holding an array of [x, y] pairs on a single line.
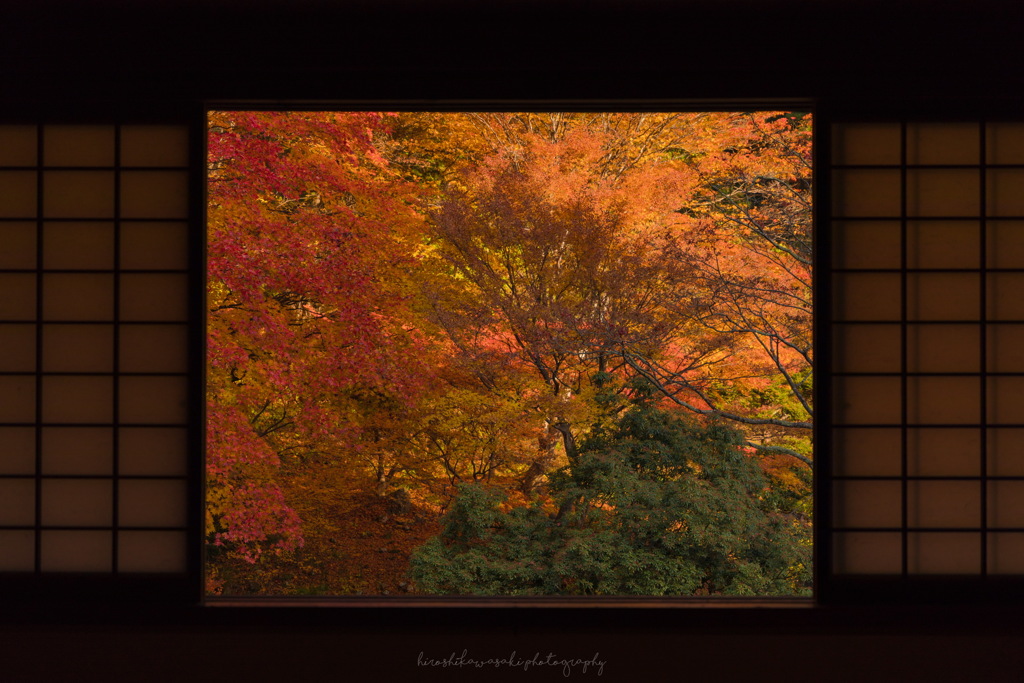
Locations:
{"points": [[551, 289]]}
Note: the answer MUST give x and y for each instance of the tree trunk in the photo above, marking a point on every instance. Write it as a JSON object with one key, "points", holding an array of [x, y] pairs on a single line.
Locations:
{"points": [[544, 461]]}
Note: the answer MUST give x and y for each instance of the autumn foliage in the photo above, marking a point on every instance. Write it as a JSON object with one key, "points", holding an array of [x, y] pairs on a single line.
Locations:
{"points": [[413, 316]]}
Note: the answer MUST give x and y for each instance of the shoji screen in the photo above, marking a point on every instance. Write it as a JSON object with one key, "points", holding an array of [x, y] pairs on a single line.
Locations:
{"points": [[93, 326], [928, 341]]}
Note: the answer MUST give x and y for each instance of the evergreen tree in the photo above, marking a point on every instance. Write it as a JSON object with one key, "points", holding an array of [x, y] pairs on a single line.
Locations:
{"points": [[657, 504]]}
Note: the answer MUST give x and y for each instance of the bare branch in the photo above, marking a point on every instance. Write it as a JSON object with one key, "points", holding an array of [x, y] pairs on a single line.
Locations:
{"points": [[781, 449], [712, 411]]}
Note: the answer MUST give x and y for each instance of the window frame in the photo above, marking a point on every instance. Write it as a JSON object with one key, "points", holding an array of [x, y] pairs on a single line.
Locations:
{"points": [[807, 105]]}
